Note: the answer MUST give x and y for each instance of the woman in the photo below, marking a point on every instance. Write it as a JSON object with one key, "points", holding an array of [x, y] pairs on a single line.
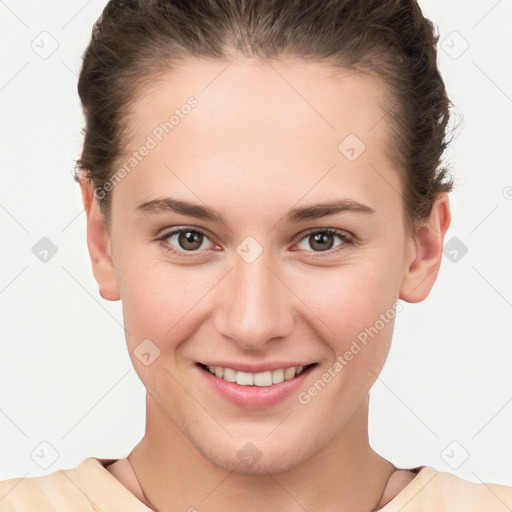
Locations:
{"points": [[262, 186]]}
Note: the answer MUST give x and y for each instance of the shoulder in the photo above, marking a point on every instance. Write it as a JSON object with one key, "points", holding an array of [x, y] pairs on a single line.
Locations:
{"points": [[63, 490], [34, 493], [439, 491], [456, 491]]}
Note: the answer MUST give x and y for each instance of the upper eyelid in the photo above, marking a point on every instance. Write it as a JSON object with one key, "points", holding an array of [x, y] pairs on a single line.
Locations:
{"points": [[336, 231], [174, 231]]}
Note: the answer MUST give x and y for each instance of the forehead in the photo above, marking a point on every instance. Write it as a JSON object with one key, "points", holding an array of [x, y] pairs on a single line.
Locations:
{"points": [[287, 93], [285, 123]]}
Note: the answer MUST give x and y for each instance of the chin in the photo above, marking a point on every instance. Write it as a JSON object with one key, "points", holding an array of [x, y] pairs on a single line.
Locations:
{"points": [[263, 466], [250, 460]]}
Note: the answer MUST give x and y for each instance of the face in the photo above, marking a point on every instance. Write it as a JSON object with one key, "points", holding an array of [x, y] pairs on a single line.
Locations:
{"points": [[277, 282]]}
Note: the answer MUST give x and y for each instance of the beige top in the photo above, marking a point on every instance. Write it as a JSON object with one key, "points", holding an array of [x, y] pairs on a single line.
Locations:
{"points": [[90, 487]]}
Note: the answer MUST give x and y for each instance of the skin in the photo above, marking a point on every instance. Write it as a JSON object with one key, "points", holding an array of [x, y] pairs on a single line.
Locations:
{"points": [[263, 140]]}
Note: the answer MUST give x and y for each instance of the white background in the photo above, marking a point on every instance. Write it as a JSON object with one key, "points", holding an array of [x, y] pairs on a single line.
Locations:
{"points": [[65, 376]]}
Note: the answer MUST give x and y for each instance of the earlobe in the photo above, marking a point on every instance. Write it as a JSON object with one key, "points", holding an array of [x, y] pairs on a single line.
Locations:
{"points": [[99, 244], [425, 253]]}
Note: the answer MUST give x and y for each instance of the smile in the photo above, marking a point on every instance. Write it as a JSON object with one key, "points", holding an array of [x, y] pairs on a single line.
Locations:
{"points": [[265, 386], [263, 379]]}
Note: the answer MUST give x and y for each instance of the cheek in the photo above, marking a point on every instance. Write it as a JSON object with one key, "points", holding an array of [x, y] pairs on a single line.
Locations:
{"points": [[354, 311], [160, 301], [349, 299]]}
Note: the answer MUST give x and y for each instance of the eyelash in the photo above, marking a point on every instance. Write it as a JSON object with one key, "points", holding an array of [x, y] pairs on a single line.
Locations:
{"points": [[346, 238]]}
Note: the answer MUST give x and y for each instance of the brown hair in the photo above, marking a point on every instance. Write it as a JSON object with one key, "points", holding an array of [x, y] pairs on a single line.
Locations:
{"points": [[134, 41]]}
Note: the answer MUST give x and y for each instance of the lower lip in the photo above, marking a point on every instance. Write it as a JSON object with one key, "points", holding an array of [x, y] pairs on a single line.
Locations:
{"points": [[255, 397]]}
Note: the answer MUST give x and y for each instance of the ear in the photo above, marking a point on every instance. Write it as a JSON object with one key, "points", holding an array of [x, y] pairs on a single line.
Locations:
{"points": [[99, 244], [424, 253]]}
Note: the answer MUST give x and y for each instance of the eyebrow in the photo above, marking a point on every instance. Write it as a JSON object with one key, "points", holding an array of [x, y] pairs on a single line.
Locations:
{"points": [[315, 211]]}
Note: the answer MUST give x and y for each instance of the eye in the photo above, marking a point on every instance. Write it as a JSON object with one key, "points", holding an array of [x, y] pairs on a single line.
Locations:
{"points": [[183, 240], [322, 240], [193, 240]]}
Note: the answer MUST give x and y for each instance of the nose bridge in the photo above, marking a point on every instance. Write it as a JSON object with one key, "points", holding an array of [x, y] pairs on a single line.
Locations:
{"points": [[257, 306]]}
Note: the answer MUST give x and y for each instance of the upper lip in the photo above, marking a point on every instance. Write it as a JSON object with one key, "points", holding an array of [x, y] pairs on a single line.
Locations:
{"points": [[256, 368]]}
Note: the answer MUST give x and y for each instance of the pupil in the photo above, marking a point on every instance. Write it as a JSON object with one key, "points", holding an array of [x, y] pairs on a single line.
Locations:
{"points": [[322, 239], [190, 237]]}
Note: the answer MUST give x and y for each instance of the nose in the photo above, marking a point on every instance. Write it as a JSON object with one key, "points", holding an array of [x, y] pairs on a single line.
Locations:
{"points": [[256, 305]]}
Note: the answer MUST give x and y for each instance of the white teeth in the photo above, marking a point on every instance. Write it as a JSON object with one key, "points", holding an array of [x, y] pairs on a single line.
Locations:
{"points": [[263, 379], [244, 378], [229, 375], [267, 378], [277, 376], [289, 373]]}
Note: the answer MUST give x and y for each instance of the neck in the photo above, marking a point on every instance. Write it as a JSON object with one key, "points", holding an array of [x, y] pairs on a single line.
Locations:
{"points": [[345, 474]]}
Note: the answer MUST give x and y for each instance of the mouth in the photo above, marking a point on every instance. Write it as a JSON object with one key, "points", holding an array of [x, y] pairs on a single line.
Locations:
{"points": [[266, 378], [264, 388]]}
